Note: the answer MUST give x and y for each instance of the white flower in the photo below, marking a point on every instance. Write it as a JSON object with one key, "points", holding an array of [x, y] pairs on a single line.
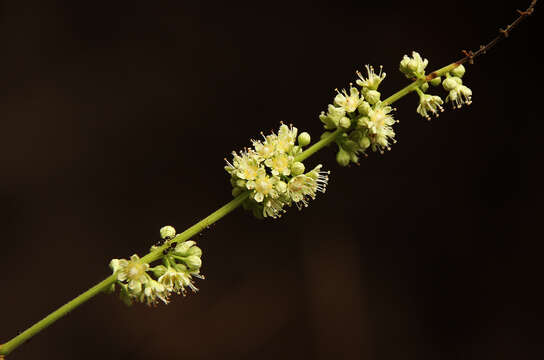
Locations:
{"points": [[132, 272], [373, 80], [280, 164], [307, 185], [273, 208], [348, 102], [247, 165], [413, 67], [265, 149], [176, 281], [287, 135], [379, 124], [459, 96], [429, 103], [153, 292], [263, 186]]}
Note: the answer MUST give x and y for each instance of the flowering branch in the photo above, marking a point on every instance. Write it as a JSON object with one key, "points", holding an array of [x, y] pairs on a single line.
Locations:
{"points": [[271, 176]]}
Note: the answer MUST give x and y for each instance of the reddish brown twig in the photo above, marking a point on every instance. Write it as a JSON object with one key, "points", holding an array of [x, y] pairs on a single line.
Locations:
{"points": [[503, 33]]}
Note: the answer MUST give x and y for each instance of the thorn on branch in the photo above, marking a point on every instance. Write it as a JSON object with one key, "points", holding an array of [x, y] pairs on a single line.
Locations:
{"points": [[482, 49], [505, 32]]}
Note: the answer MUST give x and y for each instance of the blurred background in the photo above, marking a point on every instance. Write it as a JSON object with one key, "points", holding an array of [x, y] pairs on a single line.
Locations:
{"points": [[115, 119]]}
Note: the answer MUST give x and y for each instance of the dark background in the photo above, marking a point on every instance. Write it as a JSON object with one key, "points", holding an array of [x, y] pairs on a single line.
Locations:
{"points": [[115, 119]]}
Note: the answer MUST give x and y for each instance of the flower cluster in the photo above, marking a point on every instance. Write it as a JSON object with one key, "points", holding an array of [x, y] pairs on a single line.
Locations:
{"points": [[270, 172], [413, 67], [431, 105], [458, 94], [139, 282], [365, 120]]}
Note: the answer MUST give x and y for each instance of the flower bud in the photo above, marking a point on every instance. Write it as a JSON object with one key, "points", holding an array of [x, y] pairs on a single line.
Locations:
{"points": [[362, 123], [182, 248], [115, 265], [458, 80], [412, 65], [345, 123], [450, 84], [167, 232], [355, 135], [350, 145], [364, 143], [364, 108], [304, 139], [236, 191], [193, 262], [241, 183], [159, 270], [297, 168], [458, 71], [342, 157], [424, 86], [195, 251], [372, 96], [436, 81]]}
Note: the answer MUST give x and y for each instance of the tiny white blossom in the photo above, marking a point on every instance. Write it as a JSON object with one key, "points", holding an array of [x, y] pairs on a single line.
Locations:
{"points": [[373, 80], [348, 102], [429, 103], [132, 272], [459, 96], [379, 124]]}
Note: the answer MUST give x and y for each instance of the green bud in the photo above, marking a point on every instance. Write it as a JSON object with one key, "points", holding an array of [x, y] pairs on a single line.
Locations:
{"points": [[304, 138], [350, 145], [412, 65], [297, 168], [450, 84], [364, 108], [345, 123], [436, 81], [362, 122], [342, 157], [372, 96], [158, 270], [355, 135], [183, 248], [236, 191], [241, 183], [424, 86], [195, 251], [458, 71], [179, 267], [167, 232], [193, 262], [364, 143], [458, 80]]}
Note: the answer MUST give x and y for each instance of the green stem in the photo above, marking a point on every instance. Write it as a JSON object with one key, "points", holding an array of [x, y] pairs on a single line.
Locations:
{"points": [[318, 145], [12, 344], [417, 83], [17, 341]]}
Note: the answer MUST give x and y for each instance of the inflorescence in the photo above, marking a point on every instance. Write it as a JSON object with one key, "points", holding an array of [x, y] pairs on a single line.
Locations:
{"points": [[138, 281], [274, 178], [270, 172], [367, 122]]}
